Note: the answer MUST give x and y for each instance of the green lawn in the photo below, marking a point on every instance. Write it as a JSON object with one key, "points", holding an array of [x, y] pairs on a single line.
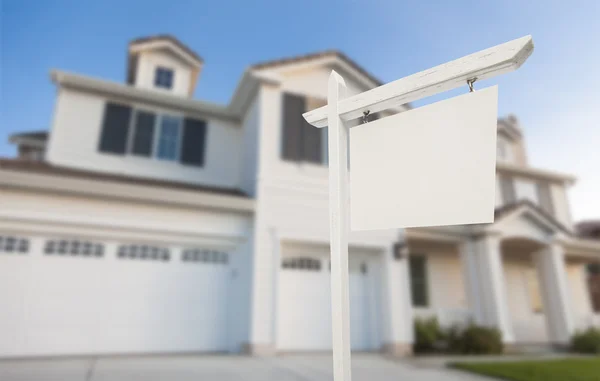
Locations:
{"points": [[581, 369]]}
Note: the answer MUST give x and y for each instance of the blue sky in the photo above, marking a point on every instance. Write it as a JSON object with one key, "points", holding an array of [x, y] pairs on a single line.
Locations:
{"points": [[554, 95]]}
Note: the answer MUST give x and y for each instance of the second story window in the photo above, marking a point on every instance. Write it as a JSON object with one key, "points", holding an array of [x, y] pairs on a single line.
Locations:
{"points": [[169, 138], [163, 78], [300, 141], [143, 133]]}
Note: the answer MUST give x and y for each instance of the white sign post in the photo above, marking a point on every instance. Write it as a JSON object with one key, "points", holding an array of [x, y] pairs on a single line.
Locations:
{"points": [[434, 165]]}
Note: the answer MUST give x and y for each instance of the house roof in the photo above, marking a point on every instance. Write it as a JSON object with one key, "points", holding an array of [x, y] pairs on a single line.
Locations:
{"points": [[37, 135], [123, 91], [588, 229], [511, 126], [169, 38], [49, 169], [505, 210], [528, 171], [312, 56]]}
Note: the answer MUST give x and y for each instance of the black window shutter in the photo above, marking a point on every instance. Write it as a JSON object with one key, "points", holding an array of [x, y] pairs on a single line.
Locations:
{"points": [[418, 279], [311, 141], [143, 133], [115, 128], [292, 144], [194, 142]]}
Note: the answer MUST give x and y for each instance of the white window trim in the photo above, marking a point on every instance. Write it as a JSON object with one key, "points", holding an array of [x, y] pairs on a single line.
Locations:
{"points": [[155, 139], [177, 143], [160, 67]]}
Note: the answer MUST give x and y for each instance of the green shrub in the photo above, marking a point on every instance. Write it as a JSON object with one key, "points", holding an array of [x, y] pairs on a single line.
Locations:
{"points": [[474, 339], [427, 334], [587, 341]]}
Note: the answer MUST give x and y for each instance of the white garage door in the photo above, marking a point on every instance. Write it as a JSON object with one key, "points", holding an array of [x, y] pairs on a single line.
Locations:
{"points": [[70, 296], [304, 305]]}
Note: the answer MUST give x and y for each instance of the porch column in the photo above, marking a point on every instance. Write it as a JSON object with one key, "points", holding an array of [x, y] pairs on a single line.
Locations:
{"points": [[550, 263], [397, 304], [494, 311], [470, 265]]}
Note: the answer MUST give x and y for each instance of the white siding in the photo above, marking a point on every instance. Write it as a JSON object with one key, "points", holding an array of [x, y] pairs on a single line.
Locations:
{"points": [[76, 133], [148, 61], [561, 205], [120, 218], [293, 199], [313, 83]]}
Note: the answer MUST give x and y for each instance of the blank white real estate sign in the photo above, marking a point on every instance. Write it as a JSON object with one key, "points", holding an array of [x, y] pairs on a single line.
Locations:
{"points": [[431, 166]]}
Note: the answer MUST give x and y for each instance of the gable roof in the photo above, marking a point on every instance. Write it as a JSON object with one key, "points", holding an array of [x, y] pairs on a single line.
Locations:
{"points": [[167, 38], [35, 135], [181, 50], [510, 125], [316, 55], [588, 229], [506, 210]]}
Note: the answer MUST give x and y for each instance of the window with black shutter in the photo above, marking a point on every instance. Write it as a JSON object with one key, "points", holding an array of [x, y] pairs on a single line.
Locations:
{"points": [[143, 133], [115, 128], [293, 107], [300, 140], [193, 144]]}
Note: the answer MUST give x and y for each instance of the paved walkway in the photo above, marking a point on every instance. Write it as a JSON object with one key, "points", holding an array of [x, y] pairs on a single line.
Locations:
{"points": [[365, 367]]}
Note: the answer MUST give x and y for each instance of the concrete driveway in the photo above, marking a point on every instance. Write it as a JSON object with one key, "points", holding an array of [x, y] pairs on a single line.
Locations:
{"points": [[365, 367]]}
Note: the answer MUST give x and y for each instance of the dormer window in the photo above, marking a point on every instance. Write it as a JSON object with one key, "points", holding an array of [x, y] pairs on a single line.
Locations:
{"points": [[163, 78]]}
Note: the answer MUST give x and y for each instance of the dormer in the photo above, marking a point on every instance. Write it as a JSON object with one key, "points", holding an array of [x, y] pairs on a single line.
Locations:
{"points": [[510, 142], [163, 63]]}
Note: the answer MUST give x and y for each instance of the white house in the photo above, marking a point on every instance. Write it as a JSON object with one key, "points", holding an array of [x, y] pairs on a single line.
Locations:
{"points": [[146, 221]]}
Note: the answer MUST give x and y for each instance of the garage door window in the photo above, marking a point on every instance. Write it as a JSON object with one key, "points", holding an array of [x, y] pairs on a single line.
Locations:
{"points": [[204, 256], [12, 244], [309, 264], [73, 247], [144, 252]]}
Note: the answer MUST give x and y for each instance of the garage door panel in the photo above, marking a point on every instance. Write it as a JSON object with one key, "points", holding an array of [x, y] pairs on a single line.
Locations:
{"points": [[304, 305], [87, 305], [304, 297]]}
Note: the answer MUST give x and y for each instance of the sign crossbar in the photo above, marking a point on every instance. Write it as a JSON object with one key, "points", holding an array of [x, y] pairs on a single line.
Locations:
{"points": [[484, 64]]}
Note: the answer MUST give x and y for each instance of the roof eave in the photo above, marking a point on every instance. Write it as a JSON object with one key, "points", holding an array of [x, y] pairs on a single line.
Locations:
{"points": [[534, 172], [77, 81], [51, 182]]}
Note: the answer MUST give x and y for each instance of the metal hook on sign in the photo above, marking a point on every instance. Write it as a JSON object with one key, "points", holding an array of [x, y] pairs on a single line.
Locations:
{"points": [[470, 82], [365, 118]]}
